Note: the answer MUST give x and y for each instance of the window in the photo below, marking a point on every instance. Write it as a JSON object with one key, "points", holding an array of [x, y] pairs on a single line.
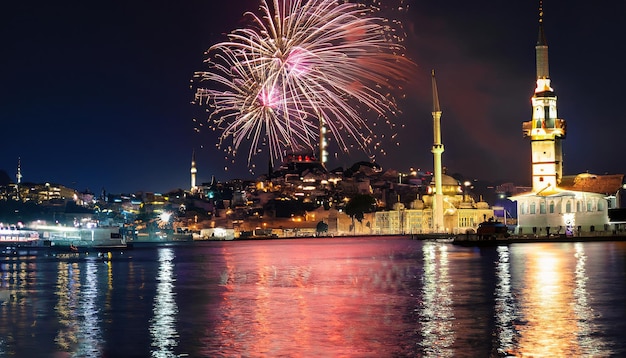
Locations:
{"points": [[578, 207], [542, 207], [523, 208], [600, 205], [589, 206], [532, 208], [568, 207], [552, 207]]}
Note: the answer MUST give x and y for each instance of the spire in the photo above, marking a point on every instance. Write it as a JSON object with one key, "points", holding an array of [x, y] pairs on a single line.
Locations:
{"points": [[541, 50], [436, 107], [541, 39]]}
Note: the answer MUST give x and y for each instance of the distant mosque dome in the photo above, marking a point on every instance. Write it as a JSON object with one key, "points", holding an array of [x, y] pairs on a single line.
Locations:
{"points": [[449, 185]]}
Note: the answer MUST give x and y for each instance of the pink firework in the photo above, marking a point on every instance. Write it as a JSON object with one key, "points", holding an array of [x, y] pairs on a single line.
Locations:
{"points": [[300, 63]]}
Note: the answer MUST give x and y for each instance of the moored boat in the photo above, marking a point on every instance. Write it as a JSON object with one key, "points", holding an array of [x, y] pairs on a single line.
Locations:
{"points": [[81, 238]]}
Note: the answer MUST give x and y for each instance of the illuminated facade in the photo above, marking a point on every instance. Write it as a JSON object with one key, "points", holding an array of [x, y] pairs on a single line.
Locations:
{"points": [[460, 213], [558, 204]]}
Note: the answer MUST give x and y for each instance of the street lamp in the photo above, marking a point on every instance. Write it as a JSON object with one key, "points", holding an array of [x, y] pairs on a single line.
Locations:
{"points": [[466, 186]]}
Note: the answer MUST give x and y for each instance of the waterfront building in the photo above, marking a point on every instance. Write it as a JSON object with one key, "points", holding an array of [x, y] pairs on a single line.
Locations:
{"points": [[558, 204]]}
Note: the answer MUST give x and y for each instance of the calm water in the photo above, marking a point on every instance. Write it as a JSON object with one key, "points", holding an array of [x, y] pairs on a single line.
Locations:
{"points": [[342, 297]]}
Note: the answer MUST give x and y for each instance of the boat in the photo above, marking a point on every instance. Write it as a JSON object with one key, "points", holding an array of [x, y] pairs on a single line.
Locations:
{"points": [[155, 237], [489, 233], [17, 241], [83, 238]]}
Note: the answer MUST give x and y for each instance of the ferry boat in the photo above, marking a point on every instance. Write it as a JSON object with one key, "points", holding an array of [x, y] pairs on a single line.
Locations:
{"points": [[14, 240], [19, 237], [77, 238]]}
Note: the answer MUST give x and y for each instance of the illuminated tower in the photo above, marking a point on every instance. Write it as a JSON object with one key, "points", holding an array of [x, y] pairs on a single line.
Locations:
{"points": [[545, 130], [18, 176], [193, 171], [437, 224], [323, 144]]}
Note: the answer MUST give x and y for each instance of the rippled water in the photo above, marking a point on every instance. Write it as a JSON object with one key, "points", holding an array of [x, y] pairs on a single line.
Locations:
{"points": [[341, 297]]}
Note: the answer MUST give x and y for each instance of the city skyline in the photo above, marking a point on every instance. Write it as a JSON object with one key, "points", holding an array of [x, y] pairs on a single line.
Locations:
{"points": [[98, 96]]}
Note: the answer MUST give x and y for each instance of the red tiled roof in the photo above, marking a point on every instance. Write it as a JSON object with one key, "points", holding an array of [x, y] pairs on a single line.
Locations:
{"points": [[592, 183]]}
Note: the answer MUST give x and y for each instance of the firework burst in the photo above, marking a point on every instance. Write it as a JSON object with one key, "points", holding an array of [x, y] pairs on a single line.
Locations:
{"points": [[301, 62]]}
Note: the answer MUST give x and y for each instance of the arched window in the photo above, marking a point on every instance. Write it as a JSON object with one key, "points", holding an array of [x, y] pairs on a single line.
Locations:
{"points": [[568, 206], [551, 207], [523, 208], [542, 207], [579, 207], [532, 208], [589, 205]]}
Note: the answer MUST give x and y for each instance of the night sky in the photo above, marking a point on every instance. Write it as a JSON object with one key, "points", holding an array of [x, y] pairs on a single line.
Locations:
{"points": [[97, 95]]}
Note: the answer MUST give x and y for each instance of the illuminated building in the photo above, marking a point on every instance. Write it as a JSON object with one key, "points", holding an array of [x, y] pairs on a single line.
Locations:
{"points": [[558, 204]]}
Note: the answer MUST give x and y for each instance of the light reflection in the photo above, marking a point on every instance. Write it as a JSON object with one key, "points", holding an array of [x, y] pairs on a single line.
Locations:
{"points": [[437, 314], [67, 291], [505, 310], [548, 321], [555, 316], [591, 344], [17, 276], [89, 333], [163, 325], [325, 300]]}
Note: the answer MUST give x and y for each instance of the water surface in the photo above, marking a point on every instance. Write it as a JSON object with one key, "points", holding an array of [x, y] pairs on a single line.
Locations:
{"points": [[340, 297]]}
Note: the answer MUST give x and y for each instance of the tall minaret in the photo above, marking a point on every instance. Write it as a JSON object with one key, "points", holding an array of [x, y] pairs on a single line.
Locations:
{"points": [[437, 224], [193, 171], [323, 144], [18, 176], [545, 130]]}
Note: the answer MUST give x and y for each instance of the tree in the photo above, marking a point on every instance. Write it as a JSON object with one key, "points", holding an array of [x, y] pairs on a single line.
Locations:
{"points": [[360, 204], [321, 228]]}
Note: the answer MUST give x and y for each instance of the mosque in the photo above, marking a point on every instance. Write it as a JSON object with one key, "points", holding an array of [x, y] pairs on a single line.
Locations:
{"points": [[445, 209], [559, 204]]}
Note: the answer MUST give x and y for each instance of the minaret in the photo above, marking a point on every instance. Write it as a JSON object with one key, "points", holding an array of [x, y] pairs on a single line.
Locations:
{"points": [[545, 130], [437, 224], [18, 176], [193, 171], [323, 155]]}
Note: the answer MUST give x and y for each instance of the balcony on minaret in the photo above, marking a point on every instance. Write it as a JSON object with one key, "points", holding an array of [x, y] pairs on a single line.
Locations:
{"points": [[538, 131]]}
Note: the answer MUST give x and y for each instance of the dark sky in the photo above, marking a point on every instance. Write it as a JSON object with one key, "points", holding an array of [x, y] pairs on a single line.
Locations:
{"points": [[97, 94]]}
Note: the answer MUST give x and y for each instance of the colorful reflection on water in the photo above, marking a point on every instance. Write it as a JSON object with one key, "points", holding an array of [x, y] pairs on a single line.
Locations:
{"points": [[342, 297]]}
